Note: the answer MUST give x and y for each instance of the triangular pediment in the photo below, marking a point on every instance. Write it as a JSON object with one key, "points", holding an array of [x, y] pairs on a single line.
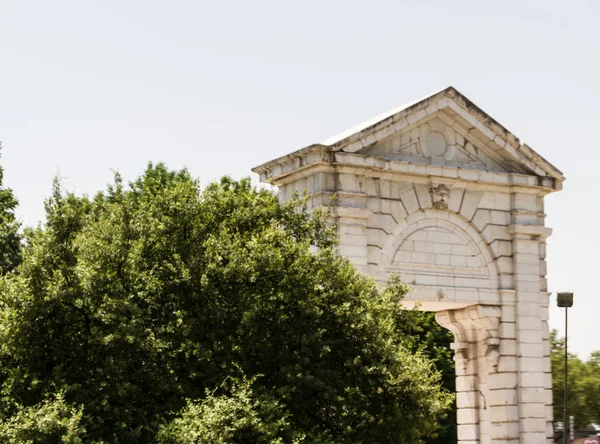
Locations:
{"points": [[438, 141], [446, 129]]}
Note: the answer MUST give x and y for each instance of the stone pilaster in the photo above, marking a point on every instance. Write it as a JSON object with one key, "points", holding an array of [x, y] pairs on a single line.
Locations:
{"points": [[351, 224], [502, 400], [531, 316]]}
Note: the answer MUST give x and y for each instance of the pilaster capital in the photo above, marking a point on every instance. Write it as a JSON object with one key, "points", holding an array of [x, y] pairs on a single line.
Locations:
{"points": [[529, 232], [351, 212]]}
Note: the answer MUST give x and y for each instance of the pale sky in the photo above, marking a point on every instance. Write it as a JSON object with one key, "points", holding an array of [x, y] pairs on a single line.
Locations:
{"points": [[88, 87]]}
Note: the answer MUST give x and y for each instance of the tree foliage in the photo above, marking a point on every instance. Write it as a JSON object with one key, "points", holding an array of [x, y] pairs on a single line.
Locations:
{"points": [[234, 416], [51, 421], [140, 302], [426, 336], [10, 239], [584, 385]]}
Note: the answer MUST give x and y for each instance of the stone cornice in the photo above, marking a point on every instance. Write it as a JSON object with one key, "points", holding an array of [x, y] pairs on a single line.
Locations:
{"points": [[318, 159]]}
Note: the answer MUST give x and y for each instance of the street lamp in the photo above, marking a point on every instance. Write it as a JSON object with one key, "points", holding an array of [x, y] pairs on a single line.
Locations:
{"points": [[565, 299]]}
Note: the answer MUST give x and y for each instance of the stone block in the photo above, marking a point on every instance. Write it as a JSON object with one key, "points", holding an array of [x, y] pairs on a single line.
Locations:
{"points": [[455, 199], [468, 175], [467, 416], [533, 425], [504, 264], [503, 202], [470, 203], [383, 221], [403, 256], [356, 252], [355, 230], [530, 364], [504, 413], [488, 200], [502, 381], [528, 272], [525, 322], [530, 336], [374, 204], [505, 432], [525, 202], [422, 279], [466, 399], [524, 258], [353, 240], [467, 432], [543, 268], [531, 379], [495, 232], [442, 248], [407, 245], [506, 281], [423, 247], [507, 364], [371, 186], [481, 219], [547, 380], [507, 330], [397, 210], [458, 261], [374, 255], [359, 262], [349, 183], [423, 196], [409, 200], [386, 190], [500, 217], [465, 384], [532, 395], [502, 397], [376, 236], [530, 350], [445, 281], [527, 277], [508, 347]]}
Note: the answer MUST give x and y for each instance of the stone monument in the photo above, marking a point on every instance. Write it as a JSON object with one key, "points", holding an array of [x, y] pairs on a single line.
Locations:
{"points": [[442, 193]]}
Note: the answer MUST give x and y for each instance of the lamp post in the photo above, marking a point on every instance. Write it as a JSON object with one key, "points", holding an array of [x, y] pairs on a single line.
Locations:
{"points": [[565, 299]]}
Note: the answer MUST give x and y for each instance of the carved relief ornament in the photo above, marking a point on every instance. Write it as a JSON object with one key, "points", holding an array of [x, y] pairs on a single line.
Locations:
{"points": [[439, 196]]}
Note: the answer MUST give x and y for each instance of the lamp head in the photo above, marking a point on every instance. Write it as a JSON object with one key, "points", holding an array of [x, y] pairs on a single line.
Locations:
{"points": [[564, 299]]}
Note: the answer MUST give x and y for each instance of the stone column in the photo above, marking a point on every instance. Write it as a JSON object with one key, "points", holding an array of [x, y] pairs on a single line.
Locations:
{"points": [[502, 400], [531, 314]]}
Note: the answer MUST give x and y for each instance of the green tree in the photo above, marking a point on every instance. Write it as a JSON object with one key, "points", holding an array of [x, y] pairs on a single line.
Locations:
{"points": [[234, 416], [143, 297], [584, 384], [10, 239], [51, 421]]}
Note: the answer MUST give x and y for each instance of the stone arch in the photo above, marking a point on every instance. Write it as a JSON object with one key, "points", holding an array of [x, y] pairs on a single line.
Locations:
{"points": [[478, 269]]}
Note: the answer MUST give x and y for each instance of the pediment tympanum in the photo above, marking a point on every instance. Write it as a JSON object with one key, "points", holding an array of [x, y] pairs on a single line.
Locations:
{"points": [[438, 140]]}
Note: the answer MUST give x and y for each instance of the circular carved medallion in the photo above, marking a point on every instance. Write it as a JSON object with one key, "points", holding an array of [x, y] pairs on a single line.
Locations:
{"points": [[436, 143]]}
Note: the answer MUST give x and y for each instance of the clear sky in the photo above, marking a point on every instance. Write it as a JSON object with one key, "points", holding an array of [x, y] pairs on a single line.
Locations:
{"points": [[88, 87]]}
